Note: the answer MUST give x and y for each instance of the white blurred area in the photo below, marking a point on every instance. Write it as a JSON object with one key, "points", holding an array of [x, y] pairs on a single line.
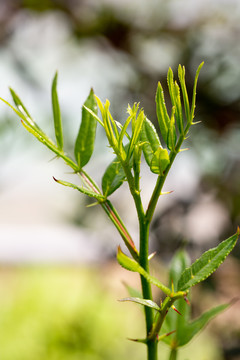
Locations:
{"points": [[34, 210]]}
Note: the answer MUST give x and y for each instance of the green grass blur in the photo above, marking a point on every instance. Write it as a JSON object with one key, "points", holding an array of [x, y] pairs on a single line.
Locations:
{"points": [[51, 313]]}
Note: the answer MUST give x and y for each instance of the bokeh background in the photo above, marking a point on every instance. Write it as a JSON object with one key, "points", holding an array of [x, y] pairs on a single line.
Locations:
{"points": [[59, 279]]}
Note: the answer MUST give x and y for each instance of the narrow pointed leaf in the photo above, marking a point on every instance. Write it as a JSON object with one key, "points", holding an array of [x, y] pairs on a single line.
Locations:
{"points": [[178, 105], [194, 327], [136, 132], [22, 112], [84, 144], [207, 263], [150, 140], [162, 115], [18, 102], [144, 302], [57, 114], [174, 92], [132, 265], [160, 161], [194, 90], [181, 76], [82, 189]]}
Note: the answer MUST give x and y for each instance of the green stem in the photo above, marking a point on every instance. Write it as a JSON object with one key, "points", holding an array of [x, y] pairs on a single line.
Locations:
{"points": [[143, 261], [146, 288], [173, 354]]}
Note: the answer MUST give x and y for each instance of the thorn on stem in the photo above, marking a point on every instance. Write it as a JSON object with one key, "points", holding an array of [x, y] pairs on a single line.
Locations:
{"points": [[187, 301], [174, 308]]}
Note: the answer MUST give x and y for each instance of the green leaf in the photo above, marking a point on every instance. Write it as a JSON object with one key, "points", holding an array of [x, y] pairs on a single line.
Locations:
{"points": [[207, 263], [150, 140], [136, 132], [82, 189], [160, 161], [22, 112], [144, 302], [132, 265], [173, 320], [84, 144], [181, 76], [178, 264], [57, 114], [194, 90], [191, 329], [174, 92], [18, 102], [114, 175], [162, 115], [108, 123], [172, 136]]}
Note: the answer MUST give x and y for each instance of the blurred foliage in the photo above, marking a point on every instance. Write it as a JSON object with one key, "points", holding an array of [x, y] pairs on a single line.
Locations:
{"points": [[71, 314], [148, 37]]}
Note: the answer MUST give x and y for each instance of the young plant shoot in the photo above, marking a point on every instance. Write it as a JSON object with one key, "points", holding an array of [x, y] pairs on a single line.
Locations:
{"points": [[168, 320]]}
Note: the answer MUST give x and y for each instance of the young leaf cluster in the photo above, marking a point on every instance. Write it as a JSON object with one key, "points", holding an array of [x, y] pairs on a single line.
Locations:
{"points": [[129, 141]]}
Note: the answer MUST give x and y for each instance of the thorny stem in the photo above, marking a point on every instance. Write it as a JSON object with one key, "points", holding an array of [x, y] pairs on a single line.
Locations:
{"points": [[143, 261]]}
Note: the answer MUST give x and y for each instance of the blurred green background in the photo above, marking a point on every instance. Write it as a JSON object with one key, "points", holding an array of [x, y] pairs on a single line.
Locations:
{"points": [[59, 282]]}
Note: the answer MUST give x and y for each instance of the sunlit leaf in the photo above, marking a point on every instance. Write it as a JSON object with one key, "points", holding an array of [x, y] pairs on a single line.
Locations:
{"points": [[174, 92], [162, 115], [181, 76], [144, 302]]}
